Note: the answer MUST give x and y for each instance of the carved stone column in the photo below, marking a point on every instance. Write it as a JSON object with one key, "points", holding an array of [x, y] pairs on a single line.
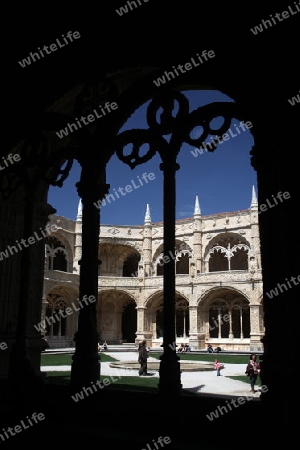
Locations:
{"points": [[255, 335], [169, 370], [140, 334], [78, 239], [147, 244], [231, 336], [198, 237], [280, 262], [43, 315], [162, 122], [255, 239], [85, 366], [25, 354], [193, 337], [12, 216]]}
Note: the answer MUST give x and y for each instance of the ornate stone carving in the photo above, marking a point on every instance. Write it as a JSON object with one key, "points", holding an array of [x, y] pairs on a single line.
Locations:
{"points": [[113, 231]]}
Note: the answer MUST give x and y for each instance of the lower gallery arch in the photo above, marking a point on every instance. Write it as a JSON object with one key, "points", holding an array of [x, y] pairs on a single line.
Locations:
{"points": [[116, 317], [153, 320], [59, 319], [129, 317], [226, 318]]}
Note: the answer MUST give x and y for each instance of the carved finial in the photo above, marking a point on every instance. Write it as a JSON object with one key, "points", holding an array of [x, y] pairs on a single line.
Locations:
{"points": [[79, 211], [147, 215], [254, 203], [197, 211]]}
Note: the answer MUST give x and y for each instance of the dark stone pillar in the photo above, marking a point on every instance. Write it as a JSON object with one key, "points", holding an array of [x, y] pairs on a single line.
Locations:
{"points": [[279, 269], [21, 371], [86, 366], [169, 371]]}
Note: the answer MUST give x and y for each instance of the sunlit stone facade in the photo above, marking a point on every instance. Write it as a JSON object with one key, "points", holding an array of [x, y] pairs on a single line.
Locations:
{"points": [[219, 295]]}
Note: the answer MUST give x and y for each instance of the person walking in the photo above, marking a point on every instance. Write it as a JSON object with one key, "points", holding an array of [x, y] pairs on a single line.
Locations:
{"points": [[142, 359], [253, 370]]}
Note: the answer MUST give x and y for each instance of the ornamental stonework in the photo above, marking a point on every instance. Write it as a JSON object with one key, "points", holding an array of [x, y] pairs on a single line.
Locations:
{"points": [[202, 288], [147, 245], [254, 317], [78, 252], [62, 223], [113, 231], [78, 239]]}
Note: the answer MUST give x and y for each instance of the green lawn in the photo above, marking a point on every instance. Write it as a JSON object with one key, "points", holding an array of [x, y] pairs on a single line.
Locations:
{"points": [[210, 357], [66, 360]]}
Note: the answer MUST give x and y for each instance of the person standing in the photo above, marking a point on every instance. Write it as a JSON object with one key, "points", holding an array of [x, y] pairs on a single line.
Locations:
{"points": [[253, 370], [218, 367], [143, 356]]}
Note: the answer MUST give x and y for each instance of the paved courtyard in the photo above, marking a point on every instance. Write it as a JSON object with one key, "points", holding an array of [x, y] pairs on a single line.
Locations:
{"points": [[200, 382]]}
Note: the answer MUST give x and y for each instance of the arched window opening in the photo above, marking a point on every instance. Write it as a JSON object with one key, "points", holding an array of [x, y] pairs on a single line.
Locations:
{"points": [[55, 254], [56, 319], [182, 265], [182, 322], [239, 261], [130, 266]]}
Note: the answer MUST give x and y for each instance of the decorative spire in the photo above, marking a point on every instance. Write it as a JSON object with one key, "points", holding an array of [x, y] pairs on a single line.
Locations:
{"points": [[147, 215], [254, 203], [79, 211], [197, 211]]}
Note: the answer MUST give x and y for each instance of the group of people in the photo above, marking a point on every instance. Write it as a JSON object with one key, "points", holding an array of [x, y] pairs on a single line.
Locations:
{"points": [[184, 348], [252, 370], [211, 350]]}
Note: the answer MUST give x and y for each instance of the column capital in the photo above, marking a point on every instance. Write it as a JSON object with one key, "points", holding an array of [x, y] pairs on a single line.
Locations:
{"points": [[193, 307], [92, 191], [169, 165]]}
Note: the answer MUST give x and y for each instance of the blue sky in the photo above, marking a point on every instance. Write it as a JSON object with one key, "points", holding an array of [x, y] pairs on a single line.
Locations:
{"points": [[222, 180]]}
